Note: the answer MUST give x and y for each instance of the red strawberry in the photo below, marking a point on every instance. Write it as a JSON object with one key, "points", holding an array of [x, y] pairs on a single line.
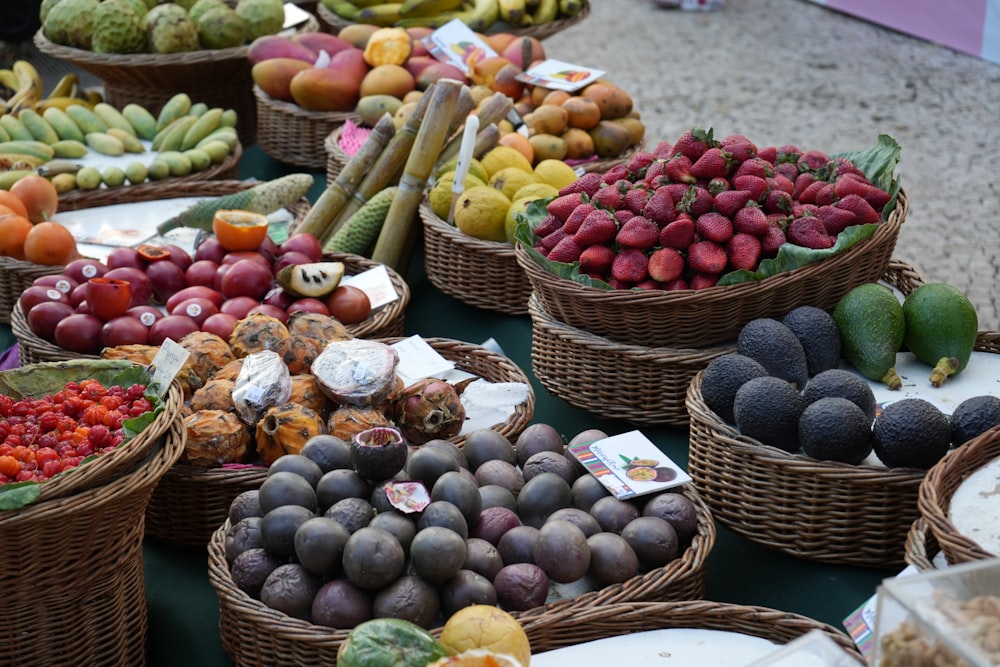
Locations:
{"points": [[729, 202], [755, 166], [743, 251], [550, 241], [696, 201], [623, 215], [540, 248], [786, 153], [630, 266], [714, 227], [549, 224], [808, 194], [677, 190], [577, 217], [608, 197], [780, 182], [588, 184], [620, 284], [678, 169], [787, 169], [567, 251], [861, 208], [877, 197], [694, 142], [802, 181], [707, 257], [713, 162], [849, 185], [825, 195], [648, 283], [663, 150], [835, 219], [678, 234], [562, 206], [809, 232], [639, 232], [676, 284], [755, 185], [777, 201], [703, 281], [597, 259], [813, 160], [717, 185], [635, 199], [615, 173], [598, 227], [772, 239], [750, 220], [769, 153], [665, 265], [842, 166], [654, 170], [740, 147], [799, 209], [638, 164], [660, 207]]}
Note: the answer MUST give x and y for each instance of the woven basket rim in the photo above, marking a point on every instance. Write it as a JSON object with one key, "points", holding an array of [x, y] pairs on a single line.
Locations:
{"points": [[433, 223], [934, 499], [920, 545]]}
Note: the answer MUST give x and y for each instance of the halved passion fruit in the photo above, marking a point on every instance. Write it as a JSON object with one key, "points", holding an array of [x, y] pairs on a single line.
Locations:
{"points": [[152, 253], [239, 230]]}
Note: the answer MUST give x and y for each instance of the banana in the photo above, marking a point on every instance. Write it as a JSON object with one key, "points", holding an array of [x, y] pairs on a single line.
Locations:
{"points": [[28, 147], [207, 123], [29, 86], [8, 79], [344, 9], [512, 11], [113, 117], [546, 12], [60, 103], [484, 14], [129, 141], [141, 119], [64, 126], [434, 22], [569, 8], [69, 148], [385, 14], [175, 107], [66, 85], [412, 8], [64, 182], [15, 128], [10, 161], [40, 128]]}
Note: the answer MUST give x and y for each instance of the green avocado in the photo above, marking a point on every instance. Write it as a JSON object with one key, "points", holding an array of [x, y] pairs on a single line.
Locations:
{"points": [[871, 325], [941, 328]]}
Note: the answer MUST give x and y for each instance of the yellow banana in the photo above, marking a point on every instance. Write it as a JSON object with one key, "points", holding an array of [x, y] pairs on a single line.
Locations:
{"points": [[385, 14], [427, 7], [431, 21], [92, 95], [60, 103], [569, 8], [8, 79], [530, 6], [29, 86], [484, 14], [547, 11], [66, 85], [512, 11]]}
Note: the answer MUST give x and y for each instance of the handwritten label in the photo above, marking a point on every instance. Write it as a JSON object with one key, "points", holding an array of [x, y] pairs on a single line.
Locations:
{"points": [[418, 360], [165, 366]]}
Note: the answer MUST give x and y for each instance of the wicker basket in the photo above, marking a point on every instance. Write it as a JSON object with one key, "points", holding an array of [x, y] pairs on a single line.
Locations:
{"points": [[643, 385], [331, 22], [219, 78], [940, 484], [17, 275], [484, 274], [697, 318], [921, 546], [253, 634], [548, 631], [294, 135], [72, 571]]}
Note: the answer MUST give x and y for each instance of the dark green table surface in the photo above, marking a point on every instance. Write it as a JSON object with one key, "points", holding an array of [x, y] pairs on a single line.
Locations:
{"points": [[183, 607]]}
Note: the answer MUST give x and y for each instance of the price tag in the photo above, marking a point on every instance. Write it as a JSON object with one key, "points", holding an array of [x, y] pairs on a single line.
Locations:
{"points": [[560, 75], [629, 465], [456, 44], [376, 283], [165, 366], [418, 360]]}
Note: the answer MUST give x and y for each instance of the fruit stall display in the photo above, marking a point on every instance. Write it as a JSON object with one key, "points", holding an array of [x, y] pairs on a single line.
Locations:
{"points": [[146, 52], [84, 445]]}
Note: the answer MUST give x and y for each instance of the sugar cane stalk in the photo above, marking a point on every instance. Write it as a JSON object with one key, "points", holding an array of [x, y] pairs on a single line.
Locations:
{"points": [[492, 110], [387, 166], [486, 138], [399, 231], [329, 204]]}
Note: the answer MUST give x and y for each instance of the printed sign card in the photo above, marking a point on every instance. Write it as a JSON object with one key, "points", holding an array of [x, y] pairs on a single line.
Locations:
{"points": [[560, 75], [455, 43], [629, 465]]}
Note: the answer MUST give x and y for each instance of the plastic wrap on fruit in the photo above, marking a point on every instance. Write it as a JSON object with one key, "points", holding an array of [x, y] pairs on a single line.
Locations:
{"points": [[356, 372], [263, 382]]}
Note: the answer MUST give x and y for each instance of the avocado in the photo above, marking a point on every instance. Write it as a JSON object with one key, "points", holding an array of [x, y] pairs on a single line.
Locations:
{"points": [[911, 433], [973, 417], [843, 384], [835, 429], [941, 328], [816, 330], [768, 409], [871, 325], [775, 347], [722, 377]]}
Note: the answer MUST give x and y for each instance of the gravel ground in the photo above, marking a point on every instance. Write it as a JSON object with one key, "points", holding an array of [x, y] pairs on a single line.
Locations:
{"points": [[790, 71]]}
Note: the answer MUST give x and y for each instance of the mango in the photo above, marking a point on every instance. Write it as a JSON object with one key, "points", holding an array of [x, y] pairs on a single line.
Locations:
{"points": [[523, 50], [275, 76], [613, 101], [437, 71], [417, 34], [548, 147], [321, 41], [610, 139], [387, 80], [372, 107], [324, 89], [275, 46], [350, 63], [357, 34]]}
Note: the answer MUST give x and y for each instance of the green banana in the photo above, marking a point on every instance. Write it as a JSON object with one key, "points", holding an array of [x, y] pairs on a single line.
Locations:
{"points": [[412, 8], [343, 8]]}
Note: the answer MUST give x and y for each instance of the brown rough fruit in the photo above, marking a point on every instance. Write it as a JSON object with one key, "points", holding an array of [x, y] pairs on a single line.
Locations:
{"points": [[387, 80], [230, 371], [216, 394], [613, 101], [315, 325], [429, 409], [284, 429], [215, 437], [345, 422], [324, 89], [299, 353], [144, 354], [610, 139], [257, 332], [306, 391], [209, 353]]}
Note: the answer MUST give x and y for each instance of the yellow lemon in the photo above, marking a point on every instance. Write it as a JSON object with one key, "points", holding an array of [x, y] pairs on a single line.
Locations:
{"points": [[481, 626], [511, 179], [476, 169], [481, 212], [536, 191], [510, 224], [501, 157], [556, 173], [440, 195]]}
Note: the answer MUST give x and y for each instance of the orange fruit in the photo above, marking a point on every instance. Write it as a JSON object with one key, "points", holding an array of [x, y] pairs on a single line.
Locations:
{"points": [[13, 203], [239, 230], [13, 230], [49, 243], [520, 143], [39, 196]]}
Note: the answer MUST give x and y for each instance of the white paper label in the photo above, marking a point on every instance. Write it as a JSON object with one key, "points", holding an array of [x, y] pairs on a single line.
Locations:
{"points": [[165, 366]]}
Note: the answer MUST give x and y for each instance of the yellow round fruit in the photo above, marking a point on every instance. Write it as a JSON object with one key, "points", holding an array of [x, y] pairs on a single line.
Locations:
{"points": [[477, 658], [440, 195], [510, 224], [501, 157], [487, 627], [481, 212], [536, 191], [556, 173], [476, 169], [511, 179]]}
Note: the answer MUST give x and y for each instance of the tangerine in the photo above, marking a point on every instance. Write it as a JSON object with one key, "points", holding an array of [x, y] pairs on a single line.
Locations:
{"points": [[12, 202], [239, 230], [39, 196], [49, 243], [13, 230]]}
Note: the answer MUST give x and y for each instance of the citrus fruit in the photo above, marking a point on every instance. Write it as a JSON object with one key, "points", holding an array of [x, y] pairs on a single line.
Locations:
{"points": [[13, 203], [49, 243], [510, 223], [13, 230], [478, 658], [511, 179], [487, 627], [500, 157], [520, 142], [481, 212], [239, 230], [476, 169], [536, 191], [556, 173], [441, 194], [39, 196]]}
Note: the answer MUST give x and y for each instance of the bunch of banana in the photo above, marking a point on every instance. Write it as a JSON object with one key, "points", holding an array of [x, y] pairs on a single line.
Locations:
{"points": [[25, 82], [479, 15]]}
